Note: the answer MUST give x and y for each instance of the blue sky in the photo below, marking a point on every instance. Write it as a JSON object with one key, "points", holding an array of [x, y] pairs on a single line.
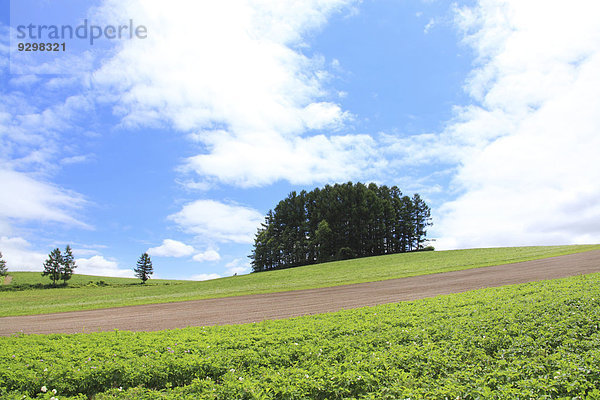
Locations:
{"points": [[178, 143]]}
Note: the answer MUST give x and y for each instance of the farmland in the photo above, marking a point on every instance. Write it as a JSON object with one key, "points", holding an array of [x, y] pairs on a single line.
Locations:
{"points": [[121, 292], [536, 340], [77, 280], [259, 307]]}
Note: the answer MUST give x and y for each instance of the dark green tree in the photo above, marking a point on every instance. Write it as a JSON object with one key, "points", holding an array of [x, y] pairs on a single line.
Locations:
{"points": [[421, 215], [3, 269], [68, 265], [406, 227], [324, 242], [53, 266], [144, 268]]}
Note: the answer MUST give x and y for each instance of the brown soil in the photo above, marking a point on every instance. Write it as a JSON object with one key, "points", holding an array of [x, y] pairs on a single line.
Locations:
{"points": [[254, 308], [7, 280]]}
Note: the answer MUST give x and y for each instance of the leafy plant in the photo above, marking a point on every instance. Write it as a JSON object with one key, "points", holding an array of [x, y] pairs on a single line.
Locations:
{"points": [[538, 340]]}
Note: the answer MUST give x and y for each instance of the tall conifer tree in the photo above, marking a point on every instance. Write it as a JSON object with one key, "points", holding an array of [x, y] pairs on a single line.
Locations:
{"points": [[68, 265], [53, 266], [144, 268]]}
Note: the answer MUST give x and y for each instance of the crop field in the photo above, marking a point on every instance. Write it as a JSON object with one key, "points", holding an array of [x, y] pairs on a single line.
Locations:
{"points": [[539, 340], [114, 292]]}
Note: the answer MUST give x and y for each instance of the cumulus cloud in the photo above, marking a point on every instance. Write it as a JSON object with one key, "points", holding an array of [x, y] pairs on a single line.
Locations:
{"points": [[100, 266], [174, 248], [19, 256], [171, 248], [238, 266], [253, 98], [205, 277], [218, 221], [529, 168], [251, 76], [208, 255], [261, 158]]}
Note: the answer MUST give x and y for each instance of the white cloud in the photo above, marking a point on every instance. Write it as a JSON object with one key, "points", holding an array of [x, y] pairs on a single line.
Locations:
{"points": [[24, 198], [204, 277], [171, 248], [100, 266], [263, 158], [252, 96], [208, 255], [85, 252], [532, 170], [429, 25], [24, 80], [217, 221], [238, 267], [75, 159], [32, 140], [251, 76], [31, 131], [19, 256]]}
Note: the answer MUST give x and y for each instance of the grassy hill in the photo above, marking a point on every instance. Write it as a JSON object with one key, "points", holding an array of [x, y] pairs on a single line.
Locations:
{"points": [[78, 280], [121, 291]]}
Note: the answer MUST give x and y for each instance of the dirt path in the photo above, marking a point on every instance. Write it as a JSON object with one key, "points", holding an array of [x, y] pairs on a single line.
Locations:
{"points": [[254, 308], [7, 280]]}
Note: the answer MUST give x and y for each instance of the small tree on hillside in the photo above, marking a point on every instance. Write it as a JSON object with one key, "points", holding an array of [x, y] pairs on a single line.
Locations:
{"points": [[144, 268], [3, 270], [68, 265], [53, 265]]}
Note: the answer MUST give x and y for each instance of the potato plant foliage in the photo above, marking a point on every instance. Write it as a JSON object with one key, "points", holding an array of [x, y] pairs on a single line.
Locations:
{"points": [[539, 340]]}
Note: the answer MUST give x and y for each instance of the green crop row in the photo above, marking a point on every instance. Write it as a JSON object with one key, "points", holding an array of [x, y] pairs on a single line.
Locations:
{"points": [[539, 340]]}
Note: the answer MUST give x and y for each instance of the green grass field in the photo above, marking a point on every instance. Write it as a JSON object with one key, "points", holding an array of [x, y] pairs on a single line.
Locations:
{"points": [[122, 293], [35, 278], [539, 340]]}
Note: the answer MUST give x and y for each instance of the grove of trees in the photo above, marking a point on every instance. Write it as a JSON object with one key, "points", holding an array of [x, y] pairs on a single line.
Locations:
{"points": [[340, 222], [58, 266]]}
